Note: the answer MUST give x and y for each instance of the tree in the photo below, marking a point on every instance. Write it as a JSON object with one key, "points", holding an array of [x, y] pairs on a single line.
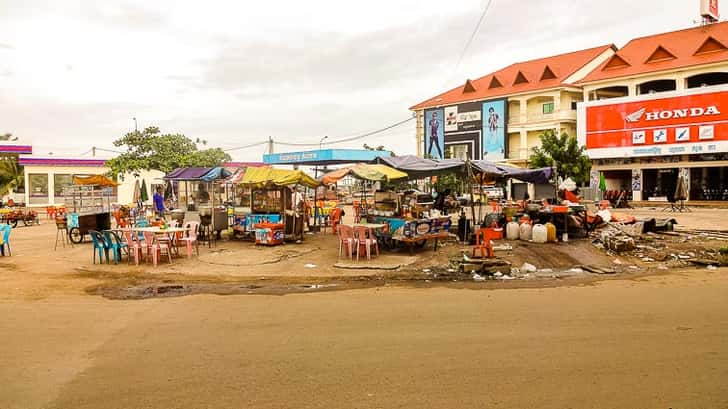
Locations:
{"points": [[11, 175], [8, 137], [566, 152], [150, 149]]}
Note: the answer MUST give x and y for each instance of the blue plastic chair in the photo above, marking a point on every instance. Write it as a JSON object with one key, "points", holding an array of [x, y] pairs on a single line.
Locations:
{"points": [[100, 246], [114, 243], [141, 223], [5, 232]]}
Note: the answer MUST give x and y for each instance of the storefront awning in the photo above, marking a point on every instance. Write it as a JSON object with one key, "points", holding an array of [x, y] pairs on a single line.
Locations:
{"points": [[94, 180], [261, 177], [365, 172], [198, 173]]}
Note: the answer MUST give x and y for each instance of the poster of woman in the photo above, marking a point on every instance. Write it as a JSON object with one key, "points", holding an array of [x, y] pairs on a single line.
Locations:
{"points": [[494, 131], [434, 133]]}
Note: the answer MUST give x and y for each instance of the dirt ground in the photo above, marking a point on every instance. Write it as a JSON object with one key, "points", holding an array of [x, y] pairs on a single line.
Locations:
{"points": [[398, 331]]}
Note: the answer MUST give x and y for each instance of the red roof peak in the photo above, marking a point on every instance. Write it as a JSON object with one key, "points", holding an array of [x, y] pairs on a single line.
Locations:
{"points": [[710, 45], [468, 87], [615, 62], [495, 83], [547, 74], [660, 54], [520, 78]]}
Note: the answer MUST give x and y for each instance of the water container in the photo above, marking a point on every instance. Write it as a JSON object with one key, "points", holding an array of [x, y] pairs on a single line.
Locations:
{"points": [[524, 231], [539, 233], [550, 232], [512, 231]]}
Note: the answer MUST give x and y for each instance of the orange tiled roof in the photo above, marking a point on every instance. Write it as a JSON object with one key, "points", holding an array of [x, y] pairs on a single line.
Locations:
{"points": [[666, 51], [534, 75]]}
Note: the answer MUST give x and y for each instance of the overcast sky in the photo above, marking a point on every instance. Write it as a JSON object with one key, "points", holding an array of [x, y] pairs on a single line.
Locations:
{"points": [[74, 73]]}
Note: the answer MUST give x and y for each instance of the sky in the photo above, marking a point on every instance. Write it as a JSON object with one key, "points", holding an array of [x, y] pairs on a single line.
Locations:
{"points": [[73, 74]]}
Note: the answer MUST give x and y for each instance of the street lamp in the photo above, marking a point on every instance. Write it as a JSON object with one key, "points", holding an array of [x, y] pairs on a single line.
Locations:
{"points": [[321, 142], [135, 125]]}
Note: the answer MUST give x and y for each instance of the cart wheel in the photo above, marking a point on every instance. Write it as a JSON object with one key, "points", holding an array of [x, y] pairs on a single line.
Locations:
{"points": [[13, 223], [75, 235], [420, 244], [27, 222]]}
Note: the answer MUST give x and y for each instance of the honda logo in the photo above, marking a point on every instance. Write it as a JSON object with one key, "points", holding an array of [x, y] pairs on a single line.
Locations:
{"points": [[672, 113]]}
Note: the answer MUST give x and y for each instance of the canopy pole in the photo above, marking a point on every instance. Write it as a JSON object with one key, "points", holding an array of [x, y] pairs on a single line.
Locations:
{"points": [[472, 193]]}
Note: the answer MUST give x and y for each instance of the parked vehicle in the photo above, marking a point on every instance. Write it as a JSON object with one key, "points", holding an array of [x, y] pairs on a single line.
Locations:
{"points": [[14, 215]]}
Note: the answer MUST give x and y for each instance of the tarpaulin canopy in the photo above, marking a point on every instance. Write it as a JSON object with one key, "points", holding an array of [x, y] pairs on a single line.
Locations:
{"points": [[96, 180], [261, 177], [198, 173], [537, 176], [417, 167], [364, 171]]}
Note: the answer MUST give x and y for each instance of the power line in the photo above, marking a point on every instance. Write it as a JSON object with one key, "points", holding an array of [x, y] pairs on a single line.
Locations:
{"points": [[349, 139], [472, 36], [246, 146]]}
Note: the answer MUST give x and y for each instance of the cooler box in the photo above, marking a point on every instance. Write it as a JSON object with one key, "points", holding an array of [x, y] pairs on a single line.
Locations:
{"points": [[269, 234]]}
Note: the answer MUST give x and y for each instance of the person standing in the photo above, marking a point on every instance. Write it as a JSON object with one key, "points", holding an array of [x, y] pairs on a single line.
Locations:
{"points": [[159, 202]]}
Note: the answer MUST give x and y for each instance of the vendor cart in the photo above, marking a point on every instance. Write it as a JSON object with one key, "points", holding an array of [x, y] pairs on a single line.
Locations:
{"points": [[89, 208], [13, 215]]}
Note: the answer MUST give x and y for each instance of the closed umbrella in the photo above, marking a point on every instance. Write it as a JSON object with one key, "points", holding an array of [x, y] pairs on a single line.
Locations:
{"points": [[137, 191], [681, 190], [144, 194], [602, 182], [169, 191]]}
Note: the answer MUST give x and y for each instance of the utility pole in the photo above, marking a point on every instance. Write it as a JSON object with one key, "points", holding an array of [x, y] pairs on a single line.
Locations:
{"points": [[93, 151], [270, 145]]}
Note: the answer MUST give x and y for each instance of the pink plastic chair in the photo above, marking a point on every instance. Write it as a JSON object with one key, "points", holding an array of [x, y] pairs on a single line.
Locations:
{"points": [[364, 237], [346, 239], [191, 238], [134, 245], [156, 247]]}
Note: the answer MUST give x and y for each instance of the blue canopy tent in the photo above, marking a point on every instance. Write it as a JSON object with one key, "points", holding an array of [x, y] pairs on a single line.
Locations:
{"points": [[202, 175]]}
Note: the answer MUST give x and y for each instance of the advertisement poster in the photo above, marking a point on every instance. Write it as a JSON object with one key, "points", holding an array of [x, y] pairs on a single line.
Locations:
{"points": [[593, 179], [434, 133], [636, 180], [494, 131], [451, 118]]}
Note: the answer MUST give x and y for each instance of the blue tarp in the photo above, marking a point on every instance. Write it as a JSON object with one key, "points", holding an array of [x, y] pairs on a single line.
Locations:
{"points": [[198, 173]]}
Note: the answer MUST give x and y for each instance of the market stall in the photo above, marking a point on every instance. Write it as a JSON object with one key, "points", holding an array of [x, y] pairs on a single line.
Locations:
{"points": [[200, 197], [276, 208], [88, 202]]}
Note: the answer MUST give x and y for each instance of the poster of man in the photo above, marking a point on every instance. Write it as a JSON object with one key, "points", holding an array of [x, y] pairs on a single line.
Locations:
{"points": [[434, 133], [494, 131]]}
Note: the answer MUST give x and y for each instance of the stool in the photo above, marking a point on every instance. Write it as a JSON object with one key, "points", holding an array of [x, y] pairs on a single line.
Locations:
{"points": [[61, 234], [483, 236]]}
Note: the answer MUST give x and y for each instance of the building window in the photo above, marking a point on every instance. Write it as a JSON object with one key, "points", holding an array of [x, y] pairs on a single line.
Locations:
{"points": [[60, 182], [548, 108], [573, 105], [38, 189]]}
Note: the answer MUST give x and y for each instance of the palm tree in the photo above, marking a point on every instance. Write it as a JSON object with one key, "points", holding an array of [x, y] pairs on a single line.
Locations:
{"points": [[11, 175]]}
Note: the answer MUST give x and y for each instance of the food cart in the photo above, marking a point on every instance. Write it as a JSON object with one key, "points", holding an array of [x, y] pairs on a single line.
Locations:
{"points": [[88, 202], [12, 215], [273, 214]]}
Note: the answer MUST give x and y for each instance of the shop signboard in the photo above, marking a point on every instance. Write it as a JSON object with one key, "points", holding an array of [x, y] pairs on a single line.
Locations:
{"points": [[709, 9], [675, 123], [494, 130]]}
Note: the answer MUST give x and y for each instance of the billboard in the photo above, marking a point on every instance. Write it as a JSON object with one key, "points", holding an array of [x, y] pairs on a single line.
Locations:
{"points": [[494, 130], [675, 123], [434, 133], [709, 9]]}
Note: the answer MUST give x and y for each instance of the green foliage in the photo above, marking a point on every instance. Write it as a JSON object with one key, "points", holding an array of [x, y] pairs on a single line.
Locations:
{"points": [[723, 251], [378, 148], [150, 149], [451, 181], [8, 137], [11, 175], [566, 152]]}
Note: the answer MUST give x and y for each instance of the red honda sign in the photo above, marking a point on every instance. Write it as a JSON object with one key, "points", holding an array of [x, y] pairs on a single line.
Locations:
{"points": [[696, 118]]}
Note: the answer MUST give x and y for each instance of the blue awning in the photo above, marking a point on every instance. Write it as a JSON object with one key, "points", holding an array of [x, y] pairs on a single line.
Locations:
{"points": [[323, 157]]}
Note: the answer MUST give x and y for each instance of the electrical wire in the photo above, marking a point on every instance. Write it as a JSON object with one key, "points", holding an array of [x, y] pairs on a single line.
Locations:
{"points": [[246, 146], [351, 138], [472, 36]]}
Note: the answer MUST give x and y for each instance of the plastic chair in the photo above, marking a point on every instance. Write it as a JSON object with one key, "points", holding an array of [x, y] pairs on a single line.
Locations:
{"points": [[156, 247], [5, 236], [114, 243], [346, 239], [335, 218], [483, 244], [100, 246], [191, 238], [51, 212], [365, 238], [134, 245]]}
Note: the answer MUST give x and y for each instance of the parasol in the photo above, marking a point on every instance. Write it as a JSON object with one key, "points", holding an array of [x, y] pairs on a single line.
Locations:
{"points": [[602, 182], [681, 190], [144, 194], [137, 191]]}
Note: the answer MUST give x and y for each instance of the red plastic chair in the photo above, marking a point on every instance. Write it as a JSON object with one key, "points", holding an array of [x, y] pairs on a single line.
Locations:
{"points": [[335, 219], [483, 237], [364, 237]]}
